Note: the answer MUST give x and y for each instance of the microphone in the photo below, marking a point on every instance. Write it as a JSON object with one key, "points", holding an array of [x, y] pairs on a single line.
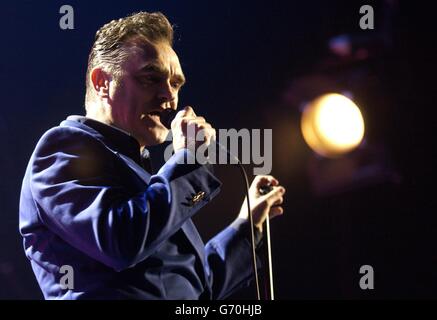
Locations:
{"points": [[167, 116]]}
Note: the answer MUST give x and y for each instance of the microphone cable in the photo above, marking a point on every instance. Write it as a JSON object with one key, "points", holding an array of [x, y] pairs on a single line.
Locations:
{"points": [[166, 117]]}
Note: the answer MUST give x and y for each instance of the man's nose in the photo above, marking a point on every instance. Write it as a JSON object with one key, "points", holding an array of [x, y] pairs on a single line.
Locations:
{"points": [[167, 93]]}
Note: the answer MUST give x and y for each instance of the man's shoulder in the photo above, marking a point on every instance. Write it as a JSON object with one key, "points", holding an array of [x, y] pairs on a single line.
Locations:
{"points": [[67, 130], [71, 137], [66, 150]]}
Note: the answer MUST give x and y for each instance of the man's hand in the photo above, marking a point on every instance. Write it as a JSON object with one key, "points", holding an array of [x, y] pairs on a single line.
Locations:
{"points": [[185, 127], [263, 205]]}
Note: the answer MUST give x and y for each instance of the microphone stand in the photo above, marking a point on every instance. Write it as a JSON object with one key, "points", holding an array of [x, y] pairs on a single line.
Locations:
{"points": [[270, 295]]}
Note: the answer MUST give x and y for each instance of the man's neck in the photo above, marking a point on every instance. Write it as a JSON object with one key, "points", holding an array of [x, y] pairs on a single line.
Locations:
{"points": [[99, 113], [102, 114]]}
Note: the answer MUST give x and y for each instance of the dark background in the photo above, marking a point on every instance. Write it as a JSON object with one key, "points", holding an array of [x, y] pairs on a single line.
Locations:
{"points": [[252, 64]]}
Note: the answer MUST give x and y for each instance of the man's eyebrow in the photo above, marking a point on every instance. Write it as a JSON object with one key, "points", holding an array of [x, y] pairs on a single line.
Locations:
{"points": [[151, 67], [180, 78]]}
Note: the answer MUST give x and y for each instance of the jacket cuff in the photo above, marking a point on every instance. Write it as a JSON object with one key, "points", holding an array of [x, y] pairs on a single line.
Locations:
{"points": [[194, 183], [243, 226]]}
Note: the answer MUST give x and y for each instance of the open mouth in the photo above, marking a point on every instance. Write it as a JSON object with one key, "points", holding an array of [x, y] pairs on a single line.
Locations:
{"points": [[155, 113]]}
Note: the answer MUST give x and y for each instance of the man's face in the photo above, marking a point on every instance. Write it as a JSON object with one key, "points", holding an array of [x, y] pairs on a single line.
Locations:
{"points": [[150, 83]]}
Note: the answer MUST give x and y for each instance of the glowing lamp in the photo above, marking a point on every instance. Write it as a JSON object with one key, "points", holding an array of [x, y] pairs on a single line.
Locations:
{"points": [[332, 125]]}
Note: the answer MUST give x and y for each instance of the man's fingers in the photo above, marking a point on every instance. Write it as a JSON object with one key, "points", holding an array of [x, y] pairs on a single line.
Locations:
{"points": [[186, 112], [275, 196], [198, 124], [278, 202], [189, 112], [275, 211], [206, 134], [263, 180], [191, 119], [201, 119], [186, 127]]}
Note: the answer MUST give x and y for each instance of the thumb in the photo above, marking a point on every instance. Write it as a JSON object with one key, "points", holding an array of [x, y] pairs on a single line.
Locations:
{"points": [[188, 112], [185, 112]]}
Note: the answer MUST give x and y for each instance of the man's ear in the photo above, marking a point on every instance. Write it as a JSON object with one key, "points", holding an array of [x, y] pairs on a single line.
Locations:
{"points": [[100, 80]]}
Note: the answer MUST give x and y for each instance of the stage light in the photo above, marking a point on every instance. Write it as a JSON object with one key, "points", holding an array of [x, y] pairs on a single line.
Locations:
{"points": [[332, 125]]}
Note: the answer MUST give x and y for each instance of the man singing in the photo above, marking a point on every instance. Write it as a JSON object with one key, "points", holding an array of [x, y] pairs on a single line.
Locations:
{"points": [[90, 201]]}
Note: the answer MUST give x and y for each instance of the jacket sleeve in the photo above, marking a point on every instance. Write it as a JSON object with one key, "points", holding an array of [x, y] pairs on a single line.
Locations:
{"points": [[82, 196], [229, 258]]}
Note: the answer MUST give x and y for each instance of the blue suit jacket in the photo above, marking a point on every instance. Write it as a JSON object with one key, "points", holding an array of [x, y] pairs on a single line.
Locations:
{"points": [[87, 202]]}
